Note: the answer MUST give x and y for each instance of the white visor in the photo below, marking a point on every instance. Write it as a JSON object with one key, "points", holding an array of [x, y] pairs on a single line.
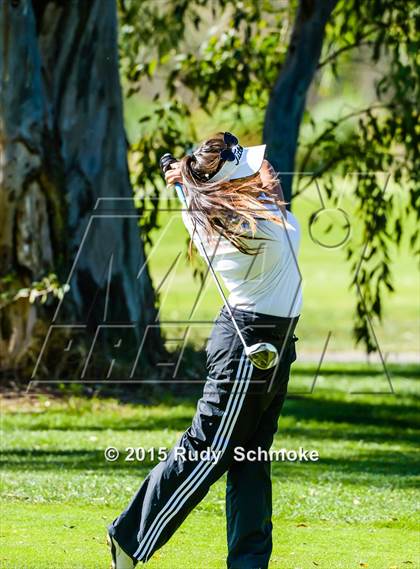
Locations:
{"points": [[248, 162]]}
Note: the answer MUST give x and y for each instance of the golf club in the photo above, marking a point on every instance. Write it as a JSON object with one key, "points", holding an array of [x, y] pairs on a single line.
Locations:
{"points": [[262, 355]]}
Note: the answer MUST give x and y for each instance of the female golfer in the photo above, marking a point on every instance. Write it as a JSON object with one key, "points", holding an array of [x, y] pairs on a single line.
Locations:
{"points": [[236, 216]]}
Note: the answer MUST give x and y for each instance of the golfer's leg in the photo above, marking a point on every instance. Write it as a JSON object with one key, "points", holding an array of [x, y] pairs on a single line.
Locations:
{"points": [[223, 419], [249, 493], [248, 513]]}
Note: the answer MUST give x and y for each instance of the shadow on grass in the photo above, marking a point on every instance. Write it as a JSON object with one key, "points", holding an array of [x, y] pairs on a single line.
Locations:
{"points": [[355, 434], [55, 460], [375, 468], [403, 415], [410, 371], [400, 416], [368, 468]]}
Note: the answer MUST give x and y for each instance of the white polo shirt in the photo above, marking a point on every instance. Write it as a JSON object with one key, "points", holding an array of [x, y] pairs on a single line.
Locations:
{"points": [[269, 282]]}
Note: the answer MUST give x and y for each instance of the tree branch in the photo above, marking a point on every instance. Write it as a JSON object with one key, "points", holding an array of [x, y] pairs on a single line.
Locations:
{"points": [[288, 98], [340, 51], [319, 138]]}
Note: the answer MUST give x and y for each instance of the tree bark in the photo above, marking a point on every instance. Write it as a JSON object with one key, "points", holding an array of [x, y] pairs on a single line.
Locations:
{"points": [[63, 151], [287, 101]]}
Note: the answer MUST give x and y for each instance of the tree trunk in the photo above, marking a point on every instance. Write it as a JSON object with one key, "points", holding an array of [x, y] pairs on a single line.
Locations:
{"points": [[63, 152], [287, 101]]}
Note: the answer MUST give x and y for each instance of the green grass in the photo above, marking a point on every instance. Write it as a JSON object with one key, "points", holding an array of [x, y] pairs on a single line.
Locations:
{"points": [[357, 505], [329, 302]]}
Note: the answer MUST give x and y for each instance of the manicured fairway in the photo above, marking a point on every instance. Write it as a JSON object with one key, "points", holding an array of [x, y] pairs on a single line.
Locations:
{"points": [[70, 537], [356, 507]]}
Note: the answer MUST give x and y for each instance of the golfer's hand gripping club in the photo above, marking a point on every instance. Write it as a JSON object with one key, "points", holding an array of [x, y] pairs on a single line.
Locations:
{"points": [[262, 355], [165, 164]]}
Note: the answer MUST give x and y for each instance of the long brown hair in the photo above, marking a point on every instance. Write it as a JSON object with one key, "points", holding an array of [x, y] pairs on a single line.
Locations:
{"points": [[230, 208]]}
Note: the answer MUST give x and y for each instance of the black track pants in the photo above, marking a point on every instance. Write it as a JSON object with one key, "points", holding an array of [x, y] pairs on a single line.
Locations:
{"points": [[239, 409]]}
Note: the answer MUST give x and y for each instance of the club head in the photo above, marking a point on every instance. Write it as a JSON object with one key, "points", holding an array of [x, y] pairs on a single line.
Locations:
{"points": [[263, 355]]}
